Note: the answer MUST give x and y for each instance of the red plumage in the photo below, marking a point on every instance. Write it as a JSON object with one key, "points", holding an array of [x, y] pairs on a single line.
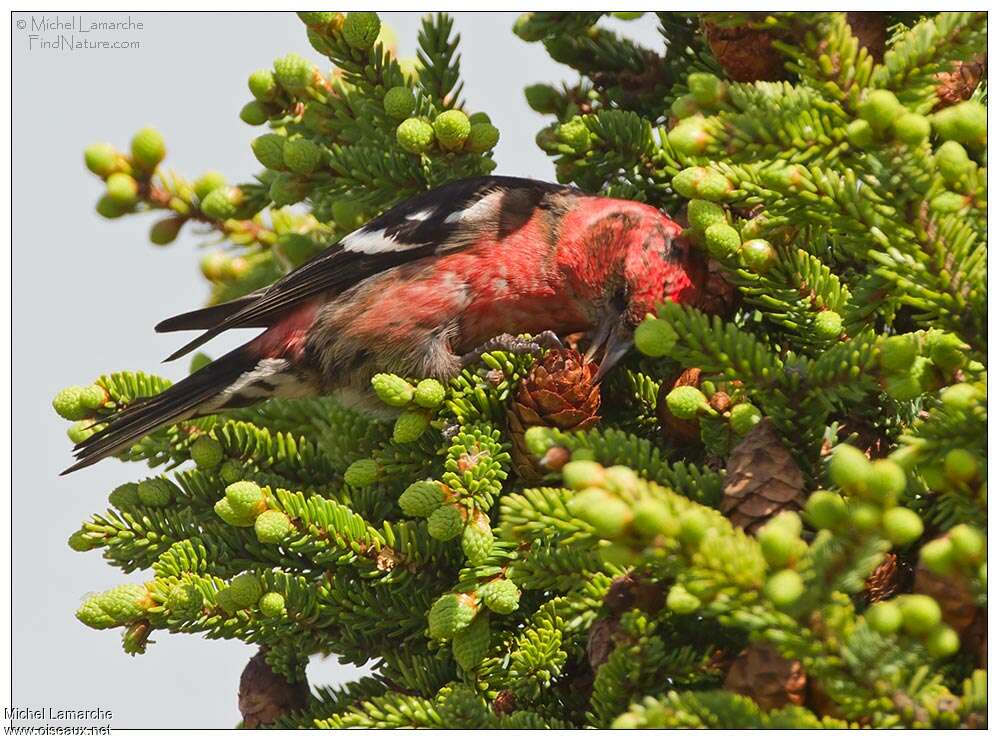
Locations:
{"points": [[416, 290]]}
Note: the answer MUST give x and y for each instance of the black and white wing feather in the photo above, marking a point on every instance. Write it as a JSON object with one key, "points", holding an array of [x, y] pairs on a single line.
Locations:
{"points": [[447, 218]]}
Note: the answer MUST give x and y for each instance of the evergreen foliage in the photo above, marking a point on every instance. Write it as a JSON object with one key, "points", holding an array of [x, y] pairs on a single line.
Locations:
{"points": [[841, 208]]}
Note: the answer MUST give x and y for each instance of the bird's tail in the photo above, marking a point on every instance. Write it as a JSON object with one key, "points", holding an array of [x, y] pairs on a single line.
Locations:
{"points": [[236, 379]]}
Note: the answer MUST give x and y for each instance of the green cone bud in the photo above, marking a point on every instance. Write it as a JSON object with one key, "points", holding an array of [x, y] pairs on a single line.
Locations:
{"points": [[477, 540], [293, 73], [684, 107], [415, 135], [122, 189], [960, 396], [942, 641], [825, 509], [445, 523], [471, 645], [965, 122], [125, 496], [410, 426], [689, 137], [779, 545], [392, 390], [948, 203], [421, 499], [722, 240], [953, 162], [429, 393], [759, 255], [947, 351], [269, 150], [968, 544], [686, 402], [938, 555], [654, 337], [245, 590], [223, 598], [116, 607], [682, 602], [361, 29], [744, 417], [208, 182], [702, 214], [452, 129], [884, 617], [272, 526], [608, 515], [81, 430], [707, 89], [246, 498], [864, 516], [399, 102], [165, 231], [500, 595], [652, 518], [784, 588], [302, 155], [480, 117], [184, 601], [860, 134], [206, 452], [575, 134], [253, 113], [271, 605], [221, 203], [886, 480], [880, 108], [148, 148], [902, 526], [288, 189], [912, 129], [69, 405], [226, 513], [701, 182], [828, 325], [694, 526], [262, 85], [961, 466], [543, 98], [849, 468], [101, 159], [581, 474], [361, 473], [110, 208], [451, 613], [482, 137], [155, 492], [920, 613], [539, 440]]}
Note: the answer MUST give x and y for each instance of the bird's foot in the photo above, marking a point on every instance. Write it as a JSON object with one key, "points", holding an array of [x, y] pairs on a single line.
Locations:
{"points": [[536, 345]]}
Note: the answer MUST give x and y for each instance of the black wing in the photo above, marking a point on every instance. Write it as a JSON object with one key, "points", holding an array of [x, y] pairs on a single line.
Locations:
{"points": [[443, 219]]}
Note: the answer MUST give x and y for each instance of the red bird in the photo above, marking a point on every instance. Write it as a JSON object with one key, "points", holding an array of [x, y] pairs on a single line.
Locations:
{"points": [[421, 290]]}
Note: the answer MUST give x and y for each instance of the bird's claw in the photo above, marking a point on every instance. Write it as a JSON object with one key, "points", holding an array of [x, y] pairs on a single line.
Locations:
{"points": [[536, 345]]}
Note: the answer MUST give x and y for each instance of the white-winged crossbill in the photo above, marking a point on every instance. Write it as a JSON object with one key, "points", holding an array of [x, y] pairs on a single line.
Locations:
{"points": [[420, 290]]}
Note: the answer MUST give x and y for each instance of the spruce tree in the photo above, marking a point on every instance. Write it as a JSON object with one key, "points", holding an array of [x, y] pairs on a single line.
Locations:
{"points": [[772, 514]]}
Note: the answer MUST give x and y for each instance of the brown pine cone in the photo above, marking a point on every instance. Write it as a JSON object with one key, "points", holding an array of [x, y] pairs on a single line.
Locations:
{"points": [[717, 295], [678, 432], [558, 392], [892, 576], [504, 703], [264, 695], [762, 479], [767, 678], [959, 83], [746, 52]]}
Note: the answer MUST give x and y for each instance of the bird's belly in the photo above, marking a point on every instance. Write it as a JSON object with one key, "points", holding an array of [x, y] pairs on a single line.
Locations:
{"points": [[485, 319]]}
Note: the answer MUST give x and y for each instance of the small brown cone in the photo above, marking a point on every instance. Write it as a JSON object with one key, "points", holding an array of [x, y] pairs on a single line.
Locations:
{"points": [[504, 703], [717, 296], [762, 479], [558, 392], [960, 82], [887, 579], [264, 695], [678, 432], [745, 53], [767, 678]]}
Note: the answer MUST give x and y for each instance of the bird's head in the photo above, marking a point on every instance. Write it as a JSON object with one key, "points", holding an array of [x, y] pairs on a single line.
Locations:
{"points": [[653, 263]]}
